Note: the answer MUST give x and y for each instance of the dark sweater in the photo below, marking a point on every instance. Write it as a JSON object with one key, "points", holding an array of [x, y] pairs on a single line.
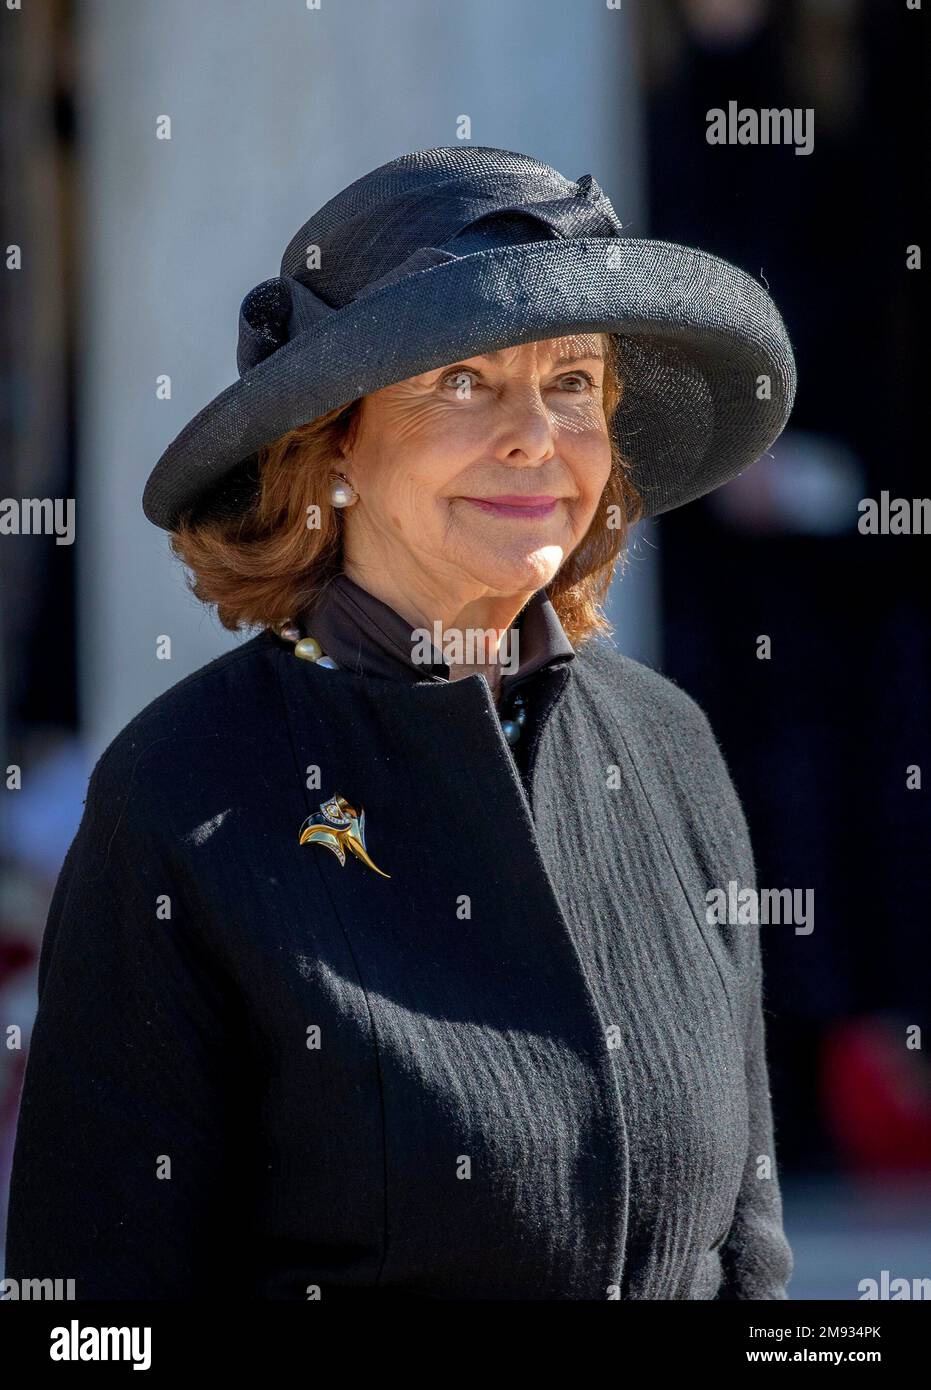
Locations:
{"points": [[523, 1066]]}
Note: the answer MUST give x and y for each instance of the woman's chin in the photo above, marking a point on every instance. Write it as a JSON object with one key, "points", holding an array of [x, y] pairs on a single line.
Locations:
{"points": [[518, 571]]}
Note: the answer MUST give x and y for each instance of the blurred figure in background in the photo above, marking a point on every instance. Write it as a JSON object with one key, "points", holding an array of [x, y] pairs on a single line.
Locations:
{"points": [[844, 696]]}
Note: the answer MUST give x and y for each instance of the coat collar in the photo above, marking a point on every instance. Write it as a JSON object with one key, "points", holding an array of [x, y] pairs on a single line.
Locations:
{"points": [[368, 637]]}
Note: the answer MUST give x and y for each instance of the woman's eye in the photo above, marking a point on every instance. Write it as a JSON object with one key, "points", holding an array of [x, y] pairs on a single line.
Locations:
{"points": [[581, 380], [460, 380], [463, 380]]}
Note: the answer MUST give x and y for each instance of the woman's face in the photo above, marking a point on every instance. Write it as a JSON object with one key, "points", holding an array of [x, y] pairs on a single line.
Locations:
{"points": [[483, 475]]}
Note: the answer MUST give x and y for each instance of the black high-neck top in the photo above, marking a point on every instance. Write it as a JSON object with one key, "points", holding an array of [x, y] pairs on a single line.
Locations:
{"points": [[364, 635]]}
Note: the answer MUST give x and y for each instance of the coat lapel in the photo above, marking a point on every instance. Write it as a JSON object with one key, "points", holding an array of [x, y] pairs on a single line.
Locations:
{"points": [[502, 1117]]}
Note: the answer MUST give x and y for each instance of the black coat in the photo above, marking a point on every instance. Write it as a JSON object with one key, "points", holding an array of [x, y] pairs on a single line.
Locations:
{"points": [[523, 1066]]}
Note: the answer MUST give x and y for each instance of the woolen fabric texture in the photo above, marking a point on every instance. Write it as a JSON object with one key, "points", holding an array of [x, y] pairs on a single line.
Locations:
{"points": [[523, 1067], [449, 253]]}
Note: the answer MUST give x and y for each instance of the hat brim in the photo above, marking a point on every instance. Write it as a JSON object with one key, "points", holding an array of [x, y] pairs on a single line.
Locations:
{"points": [[707, 363]]}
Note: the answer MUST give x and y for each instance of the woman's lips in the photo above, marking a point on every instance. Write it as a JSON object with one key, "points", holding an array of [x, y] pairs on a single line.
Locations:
{"points": [[507, 505]]}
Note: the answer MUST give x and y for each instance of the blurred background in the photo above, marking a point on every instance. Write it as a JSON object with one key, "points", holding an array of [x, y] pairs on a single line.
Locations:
{"points": [[129, 243]]}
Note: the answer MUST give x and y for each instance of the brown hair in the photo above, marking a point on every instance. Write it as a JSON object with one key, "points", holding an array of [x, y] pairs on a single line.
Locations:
{"points": [[267, 562]]}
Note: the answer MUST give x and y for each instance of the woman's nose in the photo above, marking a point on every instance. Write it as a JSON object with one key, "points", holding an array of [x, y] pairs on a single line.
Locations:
{"points": [[524, 425]]}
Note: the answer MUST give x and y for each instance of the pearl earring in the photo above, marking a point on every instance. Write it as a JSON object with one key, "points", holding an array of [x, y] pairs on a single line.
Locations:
{"points": [[342, 492]]}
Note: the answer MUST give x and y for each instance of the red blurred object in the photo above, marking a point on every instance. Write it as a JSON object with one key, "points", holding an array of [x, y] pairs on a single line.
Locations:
{"points": [[876, 1096], [15, 955]]}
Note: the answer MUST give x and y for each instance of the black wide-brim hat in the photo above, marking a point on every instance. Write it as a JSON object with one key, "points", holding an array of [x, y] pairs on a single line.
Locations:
{"points": [[448, 253]]}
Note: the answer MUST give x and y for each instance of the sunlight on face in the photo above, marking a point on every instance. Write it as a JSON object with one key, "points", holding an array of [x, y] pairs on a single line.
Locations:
{"points": [[487, 470]]}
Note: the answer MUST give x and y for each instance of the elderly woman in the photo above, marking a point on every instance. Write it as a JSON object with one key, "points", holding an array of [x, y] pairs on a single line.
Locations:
{"points": [[381, 959]]}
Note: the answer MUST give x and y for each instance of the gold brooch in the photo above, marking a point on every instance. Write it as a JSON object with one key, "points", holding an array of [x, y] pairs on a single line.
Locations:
{"points": [[337, 826]]}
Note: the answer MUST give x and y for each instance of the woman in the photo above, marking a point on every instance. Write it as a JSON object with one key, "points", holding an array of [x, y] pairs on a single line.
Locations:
{"points": [[380, 961]]}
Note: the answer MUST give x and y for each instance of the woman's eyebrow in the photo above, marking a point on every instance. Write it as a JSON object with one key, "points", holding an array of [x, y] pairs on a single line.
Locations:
{"points": [[569, 358]]}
